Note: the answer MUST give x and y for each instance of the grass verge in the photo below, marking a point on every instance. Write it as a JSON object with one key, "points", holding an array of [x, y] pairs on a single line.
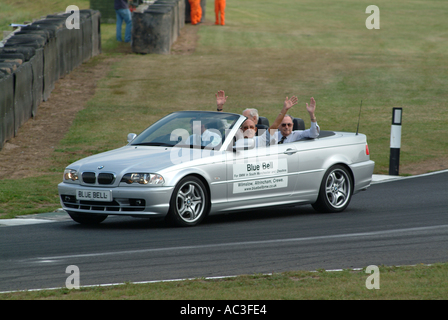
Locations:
{"points": [[397, 283], [269, 50], [266, 51], [13, 11]]}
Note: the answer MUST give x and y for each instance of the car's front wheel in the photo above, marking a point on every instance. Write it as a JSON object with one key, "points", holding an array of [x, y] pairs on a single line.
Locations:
{"points": [[87, 218], [335, 191], [189, 203]]}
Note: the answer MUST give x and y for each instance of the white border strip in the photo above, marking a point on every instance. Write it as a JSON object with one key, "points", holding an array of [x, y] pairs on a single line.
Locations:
{"points": [[22, 221], [386, 178]]}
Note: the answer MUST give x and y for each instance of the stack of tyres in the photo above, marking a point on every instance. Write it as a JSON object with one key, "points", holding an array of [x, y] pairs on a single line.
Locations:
{"points": [[96, 33], [174, 6], [45, 45], [86, 28], [35, 57], [152, 31], [6, 68], [6, 103], [179, 8], [83, 42], [59, 51], [157, 28], [181, 4], [23, 87], [43, 62], [27, 52], [72, 39]]}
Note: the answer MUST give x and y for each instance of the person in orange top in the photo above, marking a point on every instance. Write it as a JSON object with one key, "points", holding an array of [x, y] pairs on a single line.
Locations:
{"points": [[195, 11], [220, 6]]}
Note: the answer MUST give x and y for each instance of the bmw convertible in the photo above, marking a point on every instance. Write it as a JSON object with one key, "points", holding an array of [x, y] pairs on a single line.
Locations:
{"points": [[191, 164]]}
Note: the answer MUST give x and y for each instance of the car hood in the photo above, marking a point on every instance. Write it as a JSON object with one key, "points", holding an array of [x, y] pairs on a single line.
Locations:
{"points": [[130, 159]]}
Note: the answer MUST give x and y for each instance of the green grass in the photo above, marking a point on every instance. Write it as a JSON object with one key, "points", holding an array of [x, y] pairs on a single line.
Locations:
{"points": [[395, 283], [266, 51], [269, 50], [21, 11], [322, 49], [29, 196]]}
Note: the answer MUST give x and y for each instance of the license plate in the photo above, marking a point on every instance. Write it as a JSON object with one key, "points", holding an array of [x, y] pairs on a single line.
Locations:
{"points": [[94, 195]]}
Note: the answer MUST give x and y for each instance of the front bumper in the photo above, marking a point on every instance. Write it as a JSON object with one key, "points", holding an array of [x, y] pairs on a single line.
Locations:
{"points": [[128, 201]]}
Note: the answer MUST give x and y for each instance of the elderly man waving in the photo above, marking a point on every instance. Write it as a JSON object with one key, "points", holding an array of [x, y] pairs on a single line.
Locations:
{"points": [[249, 128], [285, 133]]}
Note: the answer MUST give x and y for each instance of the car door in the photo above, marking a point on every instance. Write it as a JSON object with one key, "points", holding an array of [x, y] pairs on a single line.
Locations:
{"points": [[310, 157], [262, 175]]}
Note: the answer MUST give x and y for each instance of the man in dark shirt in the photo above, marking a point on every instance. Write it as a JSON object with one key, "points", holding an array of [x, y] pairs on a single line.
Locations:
{"points": [[123, 14]]}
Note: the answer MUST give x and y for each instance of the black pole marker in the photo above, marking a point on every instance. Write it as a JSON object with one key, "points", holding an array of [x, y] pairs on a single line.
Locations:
{"points": [[395, 141]]}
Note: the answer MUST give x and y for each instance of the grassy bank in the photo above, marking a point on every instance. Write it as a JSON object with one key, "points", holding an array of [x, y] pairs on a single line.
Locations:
{"points": [[270, 50], [397, 283], [13, 11], [266, 51]]}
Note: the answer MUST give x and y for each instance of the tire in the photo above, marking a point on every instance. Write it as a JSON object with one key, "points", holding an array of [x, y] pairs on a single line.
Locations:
{"points": [[87, 219], [189, 204], [336, 190]]}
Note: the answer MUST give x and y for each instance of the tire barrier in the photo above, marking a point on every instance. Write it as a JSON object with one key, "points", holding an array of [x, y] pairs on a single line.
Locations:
{"points": [[34, 57], [22, 100], [6, 106], [157, 27]]}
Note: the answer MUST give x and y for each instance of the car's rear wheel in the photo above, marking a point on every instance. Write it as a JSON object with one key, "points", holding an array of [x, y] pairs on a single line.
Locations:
{"points": [[87, 218], [335, 191], [189, 203]]}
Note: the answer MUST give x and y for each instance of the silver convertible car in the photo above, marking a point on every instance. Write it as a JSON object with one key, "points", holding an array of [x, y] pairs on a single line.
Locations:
{"points": [[191, 164]]}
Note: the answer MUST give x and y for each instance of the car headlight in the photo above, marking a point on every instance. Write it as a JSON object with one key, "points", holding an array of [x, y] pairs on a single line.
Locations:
{"points": [[70, 174], [143, 178]]}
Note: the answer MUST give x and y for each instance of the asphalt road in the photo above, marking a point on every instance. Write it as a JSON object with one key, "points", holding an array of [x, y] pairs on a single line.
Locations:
{"points": [[401, 222]]}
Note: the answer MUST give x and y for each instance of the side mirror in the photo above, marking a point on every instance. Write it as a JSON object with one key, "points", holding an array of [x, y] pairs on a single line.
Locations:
{"points": [[131, 136], [244, 144]]}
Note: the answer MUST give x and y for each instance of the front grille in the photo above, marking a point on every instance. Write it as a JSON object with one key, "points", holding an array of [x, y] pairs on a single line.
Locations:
{"points": [[117, 205], [88, 177], [105, 178]]}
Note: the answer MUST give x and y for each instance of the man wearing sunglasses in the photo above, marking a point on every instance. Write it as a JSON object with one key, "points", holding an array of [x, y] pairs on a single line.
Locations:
{"points": [[249, 128], [285, 133]]}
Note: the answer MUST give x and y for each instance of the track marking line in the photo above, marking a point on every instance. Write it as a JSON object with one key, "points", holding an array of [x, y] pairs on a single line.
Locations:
{"points": [[243, 243]]}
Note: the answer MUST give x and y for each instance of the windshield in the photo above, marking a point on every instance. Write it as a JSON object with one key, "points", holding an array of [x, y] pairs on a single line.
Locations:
{"points": [[188, 129]]}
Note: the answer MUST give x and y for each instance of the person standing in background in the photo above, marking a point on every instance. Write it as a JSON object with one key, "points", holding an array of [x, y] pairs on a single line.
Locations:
{"points": [[220, 6], [123, 14], [195, 11]]}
